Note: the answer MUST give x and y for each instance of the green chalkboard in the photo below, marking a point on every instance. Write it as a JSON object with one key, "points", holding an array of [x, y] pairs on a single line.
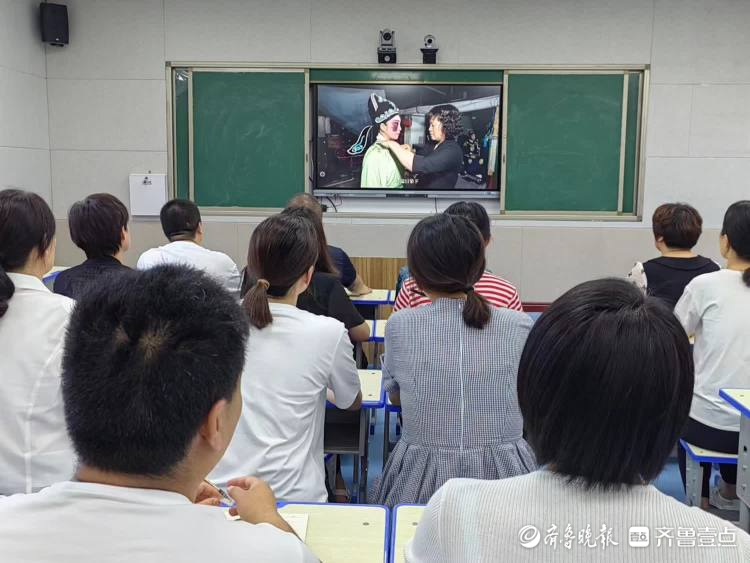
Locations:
{"points": [[563, 142], [248, 138]]}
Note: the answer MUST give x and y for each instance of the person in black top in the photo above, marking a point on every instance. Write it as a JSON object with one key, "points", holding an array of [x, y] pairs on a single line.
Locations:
{"points": [[347, 273], [677, 227], [438, 166], [98, 226]]}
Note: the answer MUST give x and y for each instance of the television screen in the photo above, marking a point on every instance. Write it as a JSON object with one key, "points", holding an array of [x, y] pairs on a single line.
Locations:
{"points": [[406, 138]]}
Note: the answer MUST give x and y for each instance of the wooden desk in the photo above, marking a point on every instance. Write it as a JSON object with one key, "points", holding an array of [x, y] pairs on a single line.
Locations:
{"points": [[403, 527], [376, 297], [344, 533], [740, 399]]}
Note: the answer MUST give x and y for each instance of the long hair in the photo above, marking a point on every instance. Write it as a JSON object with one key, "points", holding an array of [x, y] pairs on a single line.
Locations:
{"points": [[282, 249], [324, 263], [736, 227], [445, 253]]}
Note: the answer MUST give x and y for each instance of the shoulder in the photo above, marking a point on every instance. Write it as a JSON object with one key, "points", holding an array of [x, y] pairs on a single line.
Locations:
{"points": [[221, 258], [336, 252], [59, 303], [320, 325], [149, 257], [324, 282], [509, 319], [708, 281], [492, 280]]}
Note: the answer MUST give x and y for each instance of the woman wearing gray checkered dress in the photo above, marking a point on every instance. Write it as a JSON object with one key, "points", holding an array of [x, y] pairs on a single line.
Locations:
{"points": [[452, 365]]}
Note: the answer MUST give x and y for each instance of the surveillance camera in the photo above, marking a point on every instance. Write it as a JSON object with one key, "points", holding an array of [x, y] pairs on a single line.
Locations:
{"points": [[429, 51], [430, 42], [387, 47], [387, 38]]}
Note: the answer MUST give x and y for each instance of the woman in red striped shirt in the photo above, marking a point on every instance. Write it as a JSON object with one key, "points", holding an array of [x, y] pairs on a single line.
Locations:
{"points": [[497, 291]]}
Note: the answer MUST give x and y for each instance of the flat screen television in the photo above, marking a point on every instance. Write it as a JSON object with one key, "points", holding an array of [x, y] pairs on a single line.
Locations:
{"points": [[439, 140]]}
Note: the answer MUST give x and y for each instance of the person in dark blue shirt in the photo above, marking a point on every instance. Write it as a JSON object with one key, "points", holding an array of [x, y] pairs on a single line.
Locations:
{"points": [[347, 273], [98, 226]]}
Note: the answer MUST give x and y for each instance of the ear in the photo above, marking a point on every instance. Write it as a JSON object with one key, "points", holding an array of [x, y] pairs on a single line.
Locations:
{"points": [[124, 239], [309, 275], [212, 430]]}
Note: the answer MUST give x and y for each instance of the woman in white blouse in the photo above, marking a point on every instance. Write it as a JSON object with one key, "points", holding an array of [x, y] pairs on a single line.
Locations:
{"points": [[604, 385], [715, 308], [34, 447]]}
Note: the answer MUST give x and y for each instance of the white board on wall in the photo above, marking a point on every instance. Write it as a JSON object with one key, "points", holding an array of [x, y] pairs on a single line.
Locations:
{"points": [[148, 193]]}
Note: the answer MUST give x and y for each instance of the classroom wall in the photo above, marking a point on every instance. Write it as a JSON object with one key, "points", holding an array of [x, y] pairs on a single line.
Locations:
{"points": [[107, 102], [24, 134]]}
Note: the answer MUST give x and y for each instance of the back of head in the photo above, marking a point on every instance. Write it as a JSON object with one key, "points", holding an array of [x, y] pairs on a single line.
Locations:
{"points": [[679, 224], [736, 227], [26, 224], [180, 219], [474, 212], [282, 249], [146, 358], [96, 224], [307, 201], [605, 384], [324, 263], [445, 254]]}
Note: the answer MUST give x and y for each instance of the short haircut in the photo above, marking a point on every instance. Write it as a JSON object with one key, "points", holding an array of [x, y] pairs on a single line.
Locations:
{"points": [[474, 212], [96, 224], [450, 117], [180, 219], [26, 223], [605, 384], [679, 223], [307, 201], [147, 355]]}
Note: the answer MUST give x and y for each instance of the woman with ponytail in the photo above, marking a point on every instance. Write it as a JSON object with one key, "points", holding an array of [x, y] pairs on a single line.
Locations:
{"points": [[452, 366], [35, 451], [292, 358], [715, 308]]}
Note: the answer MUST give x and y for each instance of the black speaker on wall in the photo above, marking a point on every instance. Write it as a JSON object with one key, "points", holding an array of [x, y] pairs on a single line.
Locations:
{"points": [[54, 23]]}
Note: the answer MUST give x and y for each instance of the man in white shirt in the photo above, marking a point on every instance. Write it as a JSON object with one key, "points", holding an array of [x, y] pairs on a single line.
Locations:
{"points": [[181, 223], [151, 376]]}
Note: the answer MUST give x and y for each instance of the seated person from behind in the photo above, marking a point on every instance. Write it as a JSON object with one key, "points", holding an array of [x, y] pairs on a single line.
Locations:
{"points": [[677, 228], [181, 223], [98, 226], [452, 366], [325, 295], [497, 291], [292, 358], [346, 271], [151, 384], [605, 383]]}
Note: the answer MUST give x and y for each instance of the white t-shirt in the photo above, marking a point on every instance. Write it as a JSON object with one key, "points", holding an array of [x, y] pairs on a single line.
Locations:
{"points": [[93, 523], [216, 264], [288, 367], [716, 309], [34, 447], [543, 517]]}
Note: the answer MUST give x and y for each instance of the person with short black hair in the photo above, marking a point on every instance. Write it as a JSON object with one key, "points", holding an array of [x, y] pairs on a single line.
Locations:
{"points": [[497, 291], [452, 367], [151, 383], [98, 226], [293, 358], [35, 451], [604, 384], [677, 228], [344, 268], [436, 166], [182, 225], [715, 309]]}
